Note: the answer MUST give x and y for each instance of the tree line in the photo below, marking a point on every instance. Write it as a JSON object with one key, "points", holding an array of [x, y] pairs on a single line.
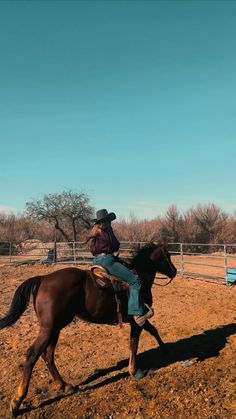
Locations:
{"points": [[67, 216]]}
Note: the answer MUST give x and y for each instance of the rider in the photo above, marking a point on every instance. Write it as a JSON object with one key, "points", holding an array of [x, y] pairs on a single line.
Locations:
{"points": [[103, 243]]}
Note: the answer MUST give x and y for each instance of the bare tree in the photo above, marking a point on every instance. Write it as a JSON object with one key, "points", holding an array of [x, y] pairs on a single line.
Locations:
{"points": [[171, 225], [68, 211], [18, 228], [70, 214], [227, 233], [8, 227], [135, 230], [210, 221], [189, 228]]}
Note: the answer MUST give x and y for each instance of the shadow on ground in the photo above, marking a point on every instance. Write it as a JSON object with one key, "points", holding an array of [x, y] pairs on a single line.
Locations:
{"points": [[202, 346]]}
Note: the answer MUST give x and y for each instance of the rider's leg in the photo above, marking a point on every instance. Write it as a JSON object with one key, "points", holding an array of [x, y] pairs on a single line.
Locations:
{"points": [[136, 305]]}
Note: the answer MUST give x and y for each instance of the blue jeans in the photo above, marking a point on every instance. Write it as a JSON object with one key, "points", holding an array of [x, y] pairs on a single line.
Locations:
{"points": [[135, 303]]}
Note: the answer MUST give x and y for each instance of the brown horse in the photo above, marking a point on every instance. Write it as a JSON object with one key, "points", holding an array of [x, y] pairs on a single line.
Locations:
{"points": [[60, 296]]}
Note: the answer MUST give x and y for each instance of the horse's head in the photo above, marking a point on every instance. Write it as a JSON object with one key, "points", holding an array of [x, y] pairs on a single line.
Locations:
{"points": [[154, 258], [161, 259]]}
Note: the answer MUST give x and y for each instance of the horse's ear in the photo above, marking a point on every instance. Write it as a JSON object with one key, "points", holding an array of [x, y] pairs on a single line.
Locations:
{"points": [[161, 243]]}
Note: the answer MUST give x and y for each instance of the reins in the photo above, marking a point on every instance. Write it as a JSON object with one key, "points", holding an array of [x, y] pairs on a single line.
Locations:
{"points": [[163, 285]]}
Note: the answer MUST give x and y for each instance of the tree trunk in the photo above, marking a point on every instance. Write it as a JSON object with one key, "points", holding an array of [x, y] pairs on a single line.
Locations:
{"points": [[74, 231], [61, 231]]}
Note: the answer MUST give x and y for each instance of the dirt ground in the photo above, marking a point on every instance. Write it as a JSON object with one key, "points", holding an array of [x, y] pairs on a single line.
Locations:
{"points": [[197, 380]]}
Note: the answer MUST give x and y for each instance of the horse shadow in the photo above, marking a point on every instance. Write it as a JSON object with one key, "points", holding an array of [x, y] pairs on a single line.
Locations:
{"points": [[200, 347], [205, 345]]}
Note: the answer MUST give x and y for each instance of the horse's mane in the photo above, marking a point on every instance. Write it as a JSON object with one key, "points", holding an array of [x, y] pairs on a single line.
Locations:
{"points": [[146, 249], [143, 250], [139, 256]]}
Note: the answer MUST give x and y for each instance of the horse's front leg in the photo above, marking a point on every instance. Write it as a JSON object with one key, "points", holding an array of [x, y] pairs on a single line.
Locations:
{"points": [[153, 331], [135, 333]]}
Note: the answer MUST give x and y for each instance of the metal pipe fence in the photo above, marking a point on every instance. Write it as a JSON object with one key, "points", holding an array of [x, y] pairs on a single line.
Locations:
{"points": [[200, 260], [213, 261]]}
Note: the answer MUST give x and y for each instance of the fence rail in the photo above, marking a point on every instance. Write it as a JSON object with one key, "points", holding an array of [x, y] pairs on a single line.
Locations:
{"points": [[216, 261]]}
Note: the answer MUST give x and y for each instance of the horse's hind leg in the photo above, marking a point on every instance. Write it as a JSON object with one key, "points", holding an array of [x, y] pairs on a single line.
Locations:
{"points": [[48, 357], [32, 356]]}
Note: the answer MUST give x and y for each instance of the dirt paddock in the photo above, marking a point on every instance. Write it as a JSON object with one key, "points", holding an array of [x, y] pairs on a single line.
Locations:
{"points": [[196, 380]]}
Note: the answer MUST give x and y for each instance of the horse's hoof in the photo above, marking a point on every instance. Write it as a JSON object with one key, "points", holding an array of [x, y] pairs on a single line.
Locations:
{"points": [[66, 389], [14, 408], [138, 374], [69, 389]]}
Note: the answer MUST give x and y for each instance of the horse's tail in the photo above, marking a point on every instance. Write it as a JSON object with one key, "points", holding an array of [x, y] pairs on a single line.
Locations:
{"points": [[20, 301]]}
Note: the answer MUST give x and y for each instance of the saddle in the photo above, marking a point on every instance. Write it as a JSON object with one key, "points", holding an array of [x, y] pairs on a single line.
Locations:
{"points": [[102, 279], [105, 280]]}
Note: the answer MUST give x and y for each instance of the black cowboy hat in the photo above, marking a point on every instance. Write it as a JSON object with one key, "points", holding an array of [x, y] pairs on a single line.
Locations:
{"points": [[103, 215]]}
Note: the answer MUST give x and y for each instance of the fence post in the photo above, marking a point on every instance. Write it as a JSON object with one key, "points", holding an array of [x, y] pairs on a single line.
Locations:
{"points": [[55, 252], [10, 251], [74, 256], [182, 260], [225, 262]]}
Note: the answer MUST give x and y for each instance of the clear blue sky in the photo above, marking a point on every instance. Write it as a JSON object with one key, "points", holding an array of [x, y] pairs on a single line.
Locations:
{"points": [[132, 102]]}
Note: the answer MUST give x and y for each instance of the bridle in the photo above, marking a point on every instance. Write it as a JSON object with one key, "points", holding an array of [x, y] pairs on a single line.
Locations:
{"points": [[171, 268]]}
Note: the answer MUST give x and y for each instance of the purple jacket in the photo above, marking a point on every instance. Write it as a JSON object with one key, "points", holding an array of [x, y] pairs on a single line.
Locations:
{"points": [[106, 242]]}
